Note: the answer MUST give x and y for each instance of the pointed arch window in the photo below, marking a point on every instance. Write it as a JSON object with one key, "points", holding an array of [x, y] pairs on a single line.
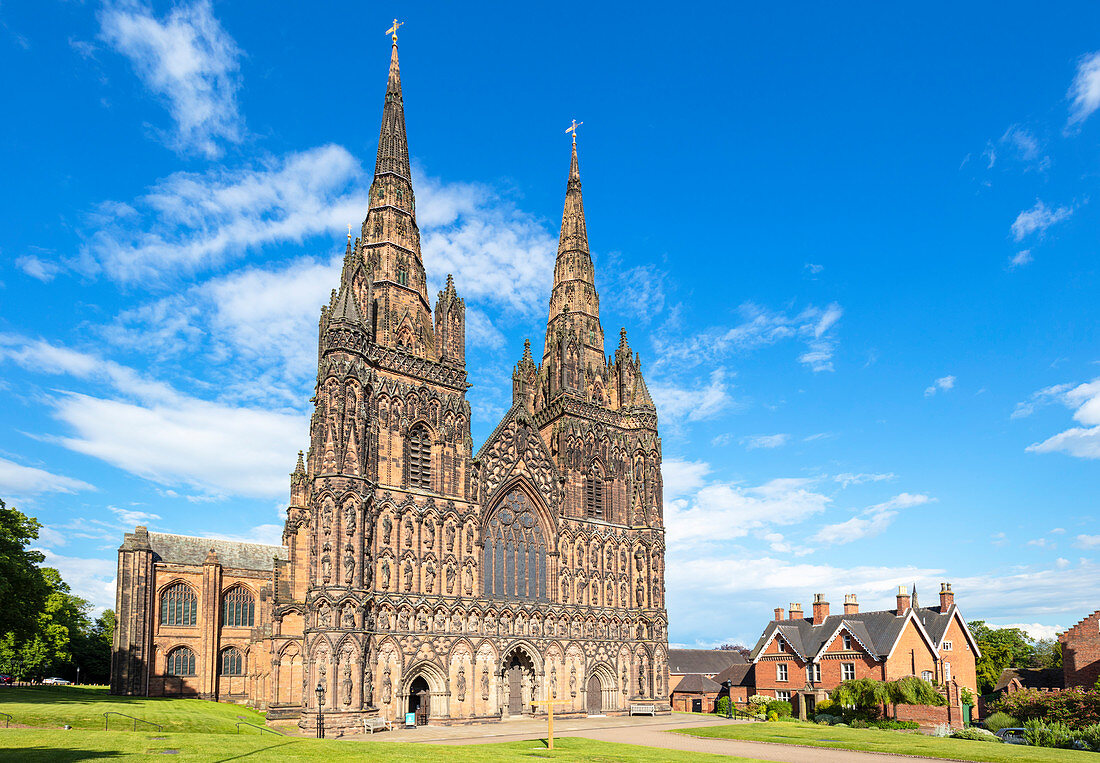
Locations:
{"points": [[238, 608], [178, 605], [419, 458], [403, 276], [232, 662], [181, 662], [594, 494], [515, 551]]}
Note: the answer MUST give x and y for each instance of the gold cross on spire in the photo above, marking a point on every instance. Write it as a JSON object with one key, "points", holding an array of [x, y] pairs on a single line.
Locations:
{"points": [[393, 29], [573, 129], [349, 231]]}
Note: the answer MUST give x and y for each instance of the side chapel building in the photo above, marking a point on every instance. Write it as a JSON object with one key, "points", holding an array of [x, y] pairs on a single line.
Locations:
{"points": [[416, 574]]}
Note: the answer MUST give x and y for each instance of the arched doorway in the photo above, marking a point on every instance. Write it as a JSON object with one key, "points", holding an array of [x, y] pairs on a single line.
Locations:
{"points": [[519, 681], [420, 699], [595, 696]]}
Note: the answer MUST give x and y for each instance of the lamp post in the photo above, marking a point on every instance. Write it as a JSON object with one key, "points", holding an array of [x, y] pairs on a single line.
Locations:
{"points": [[729, 697], [320, 710], [77, 675]]}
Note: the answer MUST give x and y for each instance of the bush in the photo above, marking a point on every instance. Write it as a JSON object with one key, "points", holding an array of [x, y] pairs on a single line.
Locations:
{"points": [[886, 723], [722, 707], [1077, 708], [780, 707], [824, 706], [976, 734], [941, 730], [999, 721], [827, 718], [1053, 734], [1090, 736], [773, 716]]}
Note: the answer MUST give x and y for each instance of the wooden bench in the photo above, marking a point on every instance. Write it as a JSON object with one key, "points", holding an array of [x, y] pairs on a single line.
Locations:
{"points": [[643, 710], [377, 724]]}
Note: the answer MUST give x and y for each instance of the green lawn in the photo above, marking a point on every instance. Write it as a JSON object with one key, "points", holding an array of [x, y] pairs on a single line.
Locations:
{"points": [[83, 708], [56, 746], [875, 740]]}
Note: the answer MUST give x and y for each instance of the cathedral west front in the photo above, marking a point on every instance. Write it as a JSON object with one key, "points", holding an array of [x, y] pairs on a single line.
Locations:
{"points": [[417, 574]]}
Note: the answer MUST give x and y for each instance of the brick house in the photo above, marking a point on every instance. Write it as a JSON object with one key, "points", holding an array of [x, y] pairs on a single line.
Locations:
{"points": [[741, 681], [1081, 652], [695, 693], [1013, 680], [704, 662], [801, 659]]}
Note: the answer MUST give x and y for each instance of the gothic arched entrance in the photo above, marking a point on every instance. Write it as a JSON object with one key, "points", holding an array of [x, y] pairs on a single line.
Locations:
{"points": [[519, 681], [420, 699], [595, 696]]}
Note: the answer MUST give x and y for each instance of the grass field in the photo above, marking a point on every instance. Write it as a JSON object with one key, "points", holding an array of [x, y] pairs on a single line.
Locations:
{"points": [[83, 708], [57, 746], [875, 740]]}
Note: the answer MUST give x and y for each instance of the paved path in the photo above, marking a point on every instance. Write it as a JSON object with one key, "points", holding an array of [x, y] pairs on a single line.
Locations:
{"points": [[645, 731]]}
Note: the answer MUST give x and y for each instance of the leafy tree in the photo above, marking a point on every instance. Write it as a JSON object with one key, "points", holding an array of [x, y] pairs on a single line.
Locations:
{"points": [[868, 695], [1046, 653], [93, 651], [22, 589], [1001, 648]]}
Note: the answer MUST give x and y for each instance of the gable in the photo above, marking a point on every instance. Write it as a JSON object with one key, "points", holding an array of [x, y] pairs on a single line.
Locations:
{"points": [[515, 449]]}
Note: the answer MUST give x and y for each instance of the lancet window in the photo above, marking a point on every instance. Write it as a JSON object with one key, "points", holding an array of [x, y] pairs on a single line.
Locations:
{"points": [[419, 459], [515, 551], [178, 605], [238, 608]]}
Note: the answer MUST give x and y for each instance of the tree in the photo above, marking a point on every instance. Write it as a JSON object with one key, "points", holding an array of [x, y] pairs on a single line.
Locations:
{"points": [[1001, 648], [869, 695], [1046, 653], [93, 652], [22, 589], [743, 650]]}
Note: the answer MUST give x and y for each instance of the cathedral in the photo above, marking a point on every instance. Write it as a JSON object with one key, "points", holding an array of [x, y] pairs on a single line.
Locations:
{"points": [[415, 573]]}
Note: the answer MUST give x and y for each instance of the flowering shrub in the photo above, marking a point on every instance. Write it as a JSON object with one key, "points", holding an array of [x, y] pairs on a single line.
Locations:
{"points": [[999, 721], [1077, 708], [976, 734], [780, 707], [758, 700]]}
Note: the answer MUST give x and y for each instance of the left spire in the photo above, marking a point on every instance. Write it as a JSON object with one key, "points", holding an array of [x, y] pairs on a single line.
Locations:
{"points": [[393, 146]]}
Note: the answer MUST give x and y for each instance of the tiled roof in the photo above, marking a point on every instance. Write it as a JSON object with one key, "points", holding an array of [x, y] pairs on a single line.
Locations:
{"points": [[696, 683], [186, 549], [704, 661], [738, 674], [1032, 678]]}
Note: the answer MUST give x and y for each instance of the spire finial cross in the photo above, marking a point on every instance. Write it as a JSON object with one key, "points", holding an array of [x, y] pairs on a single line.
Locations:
{"points": [[349, 231], [393, 29], [573, 129]]}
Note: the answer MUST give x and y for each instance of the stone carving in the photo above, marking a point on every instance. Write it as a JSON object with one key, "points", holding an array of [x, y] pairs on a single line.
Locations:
{"points": [[468, 580], [450, 532], [429, 577], [554, 682], [450, 575], [429, 533], [387, 686], [349, 616], [460, 684], [408, 533], [345, 682], [408, 576], [385, 582], [387, 529], [573, 681], [368, 688], [485, 683], [469, 539]]}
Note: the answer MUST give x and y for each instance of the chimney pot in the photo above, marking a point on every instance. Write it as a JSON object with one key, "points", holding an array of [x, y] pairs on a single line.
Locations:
{"points": [[821, 608], [903, 600], [851, 606], [779, 614], [947, 597], [796, 611]]}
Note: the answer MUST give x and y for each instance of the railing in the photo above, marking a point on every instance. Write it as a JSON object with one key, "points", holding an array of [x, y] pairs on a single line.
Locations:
{"points": [[7, 719], [261, 728], [107, 720]]}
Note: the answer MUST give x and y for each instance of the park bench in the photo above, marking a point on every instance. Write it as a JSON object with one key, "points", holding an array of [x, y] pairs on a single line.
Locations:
{"points": [[643, 710], [376, 724]]}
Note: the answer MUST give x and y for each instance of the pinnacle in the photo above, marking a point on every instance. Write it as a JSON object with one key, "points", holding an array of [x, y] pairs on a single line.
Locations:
{"points": [[393, 147]]}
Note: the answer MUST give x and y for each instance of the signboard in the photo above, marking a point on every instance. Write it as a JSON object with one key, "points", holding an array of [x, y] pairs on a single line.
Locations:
{"points": [[410, 720]]}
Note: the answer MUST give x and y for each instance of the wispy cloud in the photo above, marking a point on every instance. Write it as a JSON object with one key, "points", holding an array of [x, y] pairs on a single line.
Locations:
{"points": [[1084, 399], [1087, 541], [189, 61], [870, 522], [765, 441], [38, 268], [1021, 258], [695, 403], [1038, 219], [848, 478], [17, 479], [943, 383], [1084, 92]]}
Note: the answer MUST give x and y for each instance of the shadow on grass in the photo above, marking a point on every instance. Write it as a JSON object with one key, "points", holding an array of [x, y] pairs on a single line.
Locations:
{"points": [[65, 754]]}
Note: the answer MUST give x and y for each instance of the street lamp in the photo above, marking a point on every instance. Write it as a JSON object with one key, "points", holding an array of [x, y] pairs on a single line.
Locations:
{"points": [[729, 697], [320, 710]]}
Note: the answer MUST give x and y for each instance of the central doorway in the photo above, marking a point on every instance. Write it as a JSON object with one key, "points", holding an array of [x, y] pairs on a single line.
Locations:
{"points": [[519, 677], [420, 700], [595, 696]]}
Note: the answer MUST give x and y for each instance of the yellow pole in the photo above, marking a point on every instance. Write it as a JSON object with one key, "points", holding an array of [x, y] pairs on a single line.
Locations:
{"points": [[550, 731]]}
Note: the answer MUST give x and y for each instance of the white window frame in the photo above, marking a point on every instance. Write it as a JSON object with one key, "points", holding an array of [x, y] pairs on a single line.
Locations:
{"points": [[927, 675], [780, 646], [781, 672], [947, 671], [783, 695], [813, 672], [847, 671], [846, 640], [948, 646]]}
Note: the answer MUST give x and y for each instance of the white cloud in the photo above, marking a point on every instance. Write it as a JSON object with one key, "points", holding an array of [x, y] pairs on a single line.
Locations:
{"points": [[725, 510], [1084, 93], [37, 268], [16, 479], [1021, 258], [1087, 541], [870, 522], [1035, 630], [765, 441], [90, 579], [188, 221], [189, 61], [813, 268], [1038, 219], [697, 403], [1082, 442], [847, 478], [682, 477], [134, 517], [167, 437], [943, 383], [1023, 142], [637, 291]]}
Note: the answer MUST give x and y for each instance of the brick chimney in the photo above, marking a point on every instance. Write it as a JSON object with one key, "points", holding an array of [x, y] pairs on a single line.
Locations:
{"points": [[821, 608], [851, 606], [903, 600], [796, 611], [947, 597], [779, 614]]}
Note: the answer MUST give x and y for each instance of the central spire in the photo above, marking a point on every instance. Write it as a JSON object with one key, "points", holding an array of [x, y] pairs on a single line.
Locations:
{"points": [[574, 302], [393, 145]]}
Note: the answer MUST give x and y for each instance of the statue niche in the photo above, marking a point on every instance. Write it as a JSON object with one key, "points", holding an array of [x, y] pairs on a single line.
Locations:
{"points": [[515, 550]]}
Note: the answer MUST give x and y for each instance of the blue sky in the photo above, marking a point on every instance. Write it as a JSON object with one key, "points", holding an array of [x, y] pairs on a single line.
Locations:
{"points": [[856, 249]]}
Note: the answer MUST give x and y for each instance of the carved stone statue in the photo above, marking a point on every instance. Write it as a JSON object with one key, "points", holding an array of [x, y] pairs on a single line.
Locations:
{"points": [[349, 616], [326, 568], [469, 540], [408, 532], [387, 687], [554, 682], [450, 537], [322, 671], [485, 683], [626, 688], [385, 576], [450, 578], [429, 533], [349, 518], [349, 567], [387, 528], [429, 577], [368, 688], [408, 576], [460, 684], [573, 681], [345, 682], [468, 582]]}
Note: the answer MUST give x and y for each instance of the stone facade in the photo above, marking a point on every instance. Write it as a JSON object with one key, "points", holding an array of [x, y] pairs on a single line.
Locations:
{"points": [[416, 574]]}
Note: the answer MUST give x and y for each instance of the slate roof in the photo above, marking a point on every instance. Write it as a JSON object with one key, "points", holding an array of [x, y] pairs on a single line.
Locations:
{"points": [[1032, 678], [703, 661], [738, 673], [186, 549], [877, 631], [696, 683]]}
